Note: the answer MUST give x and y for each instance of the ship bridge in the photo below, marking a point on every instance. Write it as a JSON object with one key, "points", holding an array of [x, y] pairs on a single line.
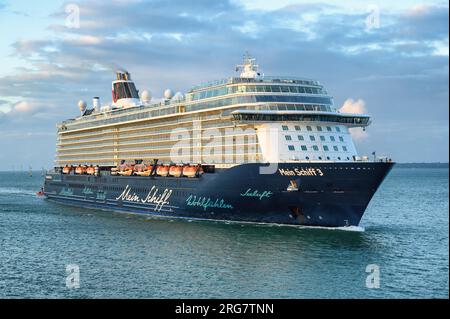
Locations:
{"points": [[257, 116]]}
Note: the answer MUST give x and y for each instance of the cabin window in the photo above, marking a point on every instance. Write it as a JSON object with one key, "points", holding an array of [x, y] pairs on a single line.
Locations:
{"points": [[325, 148], [344, 148], [309, 128], [322, 138], [338, 129], [288, 138], [285, 127], [304, 148], [315, 147], [341, 138], [291, 147], [300, 138], [297, 128], [335, 148], [332, 138], [312, 138], [319, 128], [328, 129]]}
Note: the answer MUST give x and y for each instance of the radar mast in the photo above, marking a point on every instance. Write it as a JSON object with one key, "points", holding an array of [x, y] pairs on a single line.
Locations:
{"points": [[249, 68]]}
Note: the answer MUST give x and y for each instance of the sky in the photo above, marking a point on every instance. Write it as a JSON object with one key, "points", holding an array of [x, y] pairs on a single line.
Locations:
{"points": [[390, 59]]}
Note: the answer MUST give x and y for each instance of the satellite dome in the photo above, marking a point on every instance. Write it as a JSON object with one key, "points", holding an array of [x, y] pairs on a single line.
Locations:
{"points": [[178, 96], [82, 105], [146, 96], [168, 94]]}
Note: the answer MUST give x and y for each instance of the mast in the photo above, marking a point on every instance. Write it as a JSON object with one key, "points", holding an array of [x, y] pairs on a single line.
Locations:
{"points": [[248, 68]]}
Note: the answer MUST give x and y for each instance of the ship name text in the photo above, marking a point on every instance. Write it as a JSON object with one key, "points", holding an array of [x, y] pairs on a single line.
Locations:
{"points": [[154, 196], [301, 172]]}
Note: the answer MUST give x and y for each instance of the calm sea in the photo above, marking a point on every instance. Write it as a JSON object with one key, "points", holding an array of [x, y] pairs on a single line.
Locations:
{"points": [[406, 237]]}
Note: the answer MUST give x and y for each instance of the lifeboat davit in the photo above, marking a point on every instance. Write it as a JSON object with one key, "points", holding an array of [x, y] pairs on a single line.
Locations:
{"points": [[176, 171], [162, 170]]}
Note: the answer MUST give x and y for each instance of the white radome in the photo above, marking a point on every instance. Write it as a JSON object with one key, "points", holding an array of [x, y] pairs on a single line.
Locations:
{"points": [[168, 94], [178, 96], [146, 96], [82, 105]]}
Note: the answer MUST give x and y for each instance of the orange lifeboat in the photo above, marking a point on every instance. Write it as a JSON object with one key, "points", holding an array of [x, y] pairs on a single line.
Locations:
{"points": [[192, 170], [80, 169], [162, 170], [90, 170], [143, 170], [139, 168], [126, 169], [176, 171], [67, 169]]}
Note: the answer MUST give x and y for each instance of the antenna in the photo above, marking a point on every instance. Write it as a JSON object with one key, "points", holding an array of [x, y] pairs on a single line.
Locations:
{"points": [[248, 68]]}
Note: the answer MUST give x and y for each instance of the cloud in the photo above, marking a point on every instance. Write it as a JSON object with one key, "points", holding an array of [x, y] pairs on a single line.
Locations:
{"points": [[355, 107], [394, 69]]}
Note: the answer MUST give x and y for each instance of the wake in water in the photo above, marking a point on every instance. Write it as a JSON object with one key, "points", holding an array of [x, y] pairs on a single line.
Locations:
{"points": [[358, 229], [16, 191]]}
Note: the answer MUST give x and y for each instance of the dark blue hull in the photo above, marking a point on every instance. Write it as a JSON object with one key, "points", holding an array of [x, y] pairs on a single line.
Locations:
{"points": [[313, 194]]}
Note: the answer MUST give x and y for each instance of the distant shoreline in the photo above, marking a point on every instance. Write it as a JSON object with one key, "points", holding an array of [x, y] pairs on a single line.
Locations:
{"points": [[421, 165]]}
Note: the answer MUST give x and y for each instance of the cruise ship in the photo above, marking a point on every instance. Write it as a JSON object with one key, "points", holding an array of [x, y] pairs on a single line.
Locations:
{"points": [[248, 148]]}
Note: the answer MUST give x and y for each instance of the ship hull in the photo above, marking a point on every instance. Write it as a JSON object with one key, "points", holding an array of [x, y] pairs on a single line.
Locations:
{"points": [[311, 194]]}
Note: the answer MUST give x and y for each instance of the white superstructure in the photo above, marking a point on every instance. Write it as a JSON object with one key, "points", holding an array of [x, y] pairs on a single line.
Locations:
{"points": [[249, 118]]}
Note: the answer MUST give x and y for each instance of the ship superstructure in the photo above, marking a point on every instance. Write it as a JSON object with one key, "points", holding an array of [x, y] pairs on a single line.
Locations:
{"points": [[248, 117]]}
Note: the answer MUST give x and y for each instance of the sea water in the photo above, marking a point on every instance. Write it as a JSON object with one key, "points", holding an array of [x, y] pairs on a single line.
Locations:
{"points": [[56, 251]]}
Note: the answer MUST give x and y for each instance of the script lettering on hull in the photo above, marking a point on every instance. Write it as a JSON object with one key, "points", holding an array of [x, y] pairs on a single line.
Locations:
{"points": [[154, 196]]}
